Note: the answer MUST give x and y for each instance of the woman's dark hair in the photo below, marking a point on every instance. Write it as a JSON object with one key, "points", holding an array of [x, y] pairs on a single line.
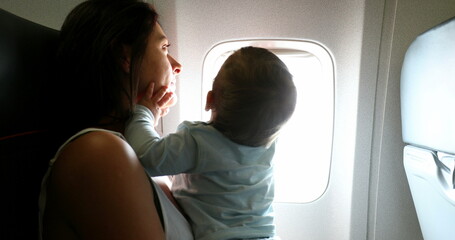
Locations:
{"points": [[254, 95], [92, 81]]}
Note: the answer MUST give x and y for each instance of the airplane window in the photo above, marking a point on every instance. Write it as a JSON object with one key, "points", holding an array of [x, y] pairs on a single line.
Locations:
{"points": [[303, 154]]}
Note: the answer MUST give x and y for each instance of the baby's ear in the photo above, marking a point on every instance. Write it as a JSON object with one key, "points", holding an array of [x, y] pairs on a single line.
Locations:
{"points": [[126, 58], [209, 101]]}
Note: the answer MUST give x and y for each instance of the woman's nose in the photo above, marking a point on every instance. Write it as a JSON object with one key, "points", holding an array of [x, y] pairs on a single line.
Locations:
{"points": [[176, 67]]}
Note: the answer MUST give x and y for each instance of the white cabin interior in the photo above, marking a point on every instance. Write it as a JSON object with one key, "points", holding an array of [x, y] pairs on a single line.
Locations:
{"points": [[365, 193]]}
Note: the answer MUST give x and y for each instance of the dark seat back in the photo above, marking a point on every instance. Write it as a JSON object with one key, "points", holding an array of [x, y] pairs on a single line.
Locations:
{"points": [[27, 81]]}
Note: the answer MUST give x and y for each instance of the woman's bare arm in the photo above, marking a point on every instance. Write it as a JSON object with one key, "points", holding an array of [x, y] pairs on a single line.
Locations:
{"points": [[103, 191]]}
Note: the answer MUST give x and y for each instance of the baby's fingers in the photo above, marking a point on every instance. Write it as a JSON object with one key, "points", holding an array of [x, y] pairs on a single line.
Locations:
{"points": [[167, 97], [164, 111], [149, 92], [158, 97]]}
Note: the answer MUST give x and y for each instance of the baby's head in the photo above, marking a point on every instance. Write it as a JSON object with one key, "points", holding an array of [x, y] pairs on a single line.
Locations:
{"points": [[253, 96]]}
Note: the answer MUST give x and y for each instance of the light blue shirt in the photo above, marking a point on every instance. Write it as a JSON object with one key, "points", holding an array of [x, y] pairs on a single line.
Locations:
{"points": [[225, 188]]}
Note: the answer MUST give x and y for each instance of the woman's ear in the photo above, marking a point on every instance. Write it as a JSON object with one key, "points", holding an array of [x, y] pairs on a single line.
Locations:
{"points": [[126, 58], [209, 101]]}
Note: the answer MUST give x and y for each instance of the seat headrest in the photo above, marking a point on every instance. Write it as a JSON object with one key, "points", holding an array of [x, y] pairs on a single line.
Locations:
{"points": [[27, 67], [428, 89]]}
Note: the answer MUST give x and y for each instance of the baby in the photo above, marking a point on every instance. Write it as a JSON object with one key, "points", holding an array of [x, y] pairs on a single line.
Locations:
{"points": [[223, 168]]}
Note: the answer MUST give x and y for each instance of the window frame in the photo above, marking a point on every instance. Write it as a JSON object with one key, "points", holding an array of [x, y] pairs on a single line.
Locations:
{"points": [[278, 46]]}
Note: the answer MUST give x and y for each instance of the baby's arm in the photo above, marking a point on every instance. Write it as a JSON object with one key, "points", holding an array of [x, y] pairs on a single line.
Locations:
{"points": [[159, 103], [173, 154]]}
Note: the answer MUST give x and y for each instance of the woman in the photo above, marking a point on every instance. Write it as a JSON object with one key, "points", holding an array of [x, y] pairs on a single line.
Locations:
{"points": [[95, 188]]}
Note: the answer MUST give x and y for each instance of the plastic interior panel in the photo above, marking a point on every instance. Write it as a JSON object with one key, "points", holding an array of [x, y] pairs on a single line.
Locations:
{"points": [[428, 89], [432, 191]]}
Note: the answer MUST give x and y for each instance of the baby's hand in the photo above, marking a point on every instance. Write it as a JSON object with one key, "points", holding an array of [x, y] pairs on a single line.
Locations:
{"points": [[159, 103]]}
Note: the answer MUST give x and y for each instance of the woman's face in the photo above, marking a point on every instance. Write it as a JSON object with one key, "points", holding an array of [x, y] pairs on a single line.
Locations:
{"points": [[157, 65]]}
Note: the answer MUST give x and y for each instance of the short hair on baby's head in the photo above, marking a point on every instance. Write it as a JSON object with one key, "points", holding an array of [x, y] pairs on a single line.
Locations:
{"points": [[254, 96]]}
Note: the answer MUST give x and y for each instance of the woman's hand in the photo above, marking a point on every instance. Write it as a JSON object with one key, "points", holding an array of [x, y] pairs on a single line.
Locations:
{"points": [[159, 103]]}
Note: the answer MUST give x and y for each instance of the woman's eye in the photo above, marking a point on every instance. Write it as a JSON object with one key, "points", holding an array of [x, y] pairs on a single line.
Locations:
{"points": [[165, 46]]}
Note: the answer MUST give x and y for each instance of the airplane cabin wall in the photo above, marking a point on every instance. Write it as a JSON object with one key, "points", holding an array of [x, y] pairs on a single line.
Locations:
{"points": [[48, 13], [392, 212]]}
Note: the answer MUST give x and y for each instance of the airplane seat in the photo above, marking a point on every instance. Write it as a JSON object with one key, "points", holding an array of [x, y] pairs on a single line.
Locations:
{"points": [[27, 66], [428, 128]]}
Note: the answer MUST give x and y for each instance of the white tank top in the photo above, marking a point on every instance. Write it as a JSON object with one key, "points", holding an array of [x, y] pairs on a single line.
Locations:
{"points": [[176, 227]]}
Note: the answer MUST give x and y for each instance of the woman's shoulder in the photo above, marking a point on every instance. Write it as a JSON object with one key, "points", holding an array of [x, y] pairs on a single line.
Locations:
{"points": [[100, 141], [98, 178], [97, 150]]}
